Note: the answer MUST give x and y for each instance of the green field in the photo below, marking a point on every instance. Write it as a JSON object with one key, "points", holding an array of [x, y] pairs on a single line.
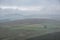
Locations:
{"points": [[36, 29], [25, 31]]}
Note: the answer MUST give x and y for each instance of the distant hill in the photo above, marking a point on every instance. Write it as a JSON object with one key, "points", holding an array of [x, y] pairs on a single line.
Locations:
{"points": [[29, 21]]}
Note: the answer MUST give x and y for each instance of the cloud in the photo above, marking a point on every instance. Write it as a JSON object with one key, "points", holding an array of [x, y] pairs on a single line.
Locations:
{"points": [[22, 8], [30, 7], [28, 2]]}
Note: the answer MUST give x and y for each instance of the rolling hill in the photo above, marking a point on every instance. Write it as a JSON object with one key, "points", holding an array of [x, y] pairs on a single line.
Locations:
{"points": [[27, 28], [30, 21]]}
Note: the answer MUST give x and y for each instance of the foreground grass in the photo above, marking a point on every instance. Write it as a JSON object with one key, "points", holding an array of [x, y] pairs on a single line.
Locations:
{"points": [[23, 32]]}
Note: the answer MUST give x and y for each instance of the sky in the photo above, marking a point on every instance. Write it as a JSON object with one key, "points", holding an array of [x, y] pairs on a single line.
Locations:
{"points": [[18, 9]]}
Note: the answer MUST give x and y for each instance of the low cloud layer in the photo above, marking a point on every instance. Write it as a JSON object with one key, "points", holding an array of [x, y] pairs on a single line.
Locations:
{"points": [[22, 8], [29, 8]]}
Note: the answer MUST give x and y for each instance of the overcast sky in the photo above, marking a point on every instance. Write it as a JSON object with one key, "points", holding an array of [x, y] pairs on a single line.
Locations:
{"points": [[28, 8]]}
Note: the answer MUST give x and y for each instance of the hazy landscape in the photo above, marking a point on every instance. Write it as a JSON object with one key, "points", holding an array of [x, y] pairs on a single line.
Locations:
{"points": [[28, 28], [29, 19]]}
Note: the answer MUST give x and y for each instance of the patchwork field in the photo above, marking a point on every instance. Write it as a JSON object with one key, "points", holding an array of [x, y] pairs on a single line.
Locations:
{"points": [[26, 31]]}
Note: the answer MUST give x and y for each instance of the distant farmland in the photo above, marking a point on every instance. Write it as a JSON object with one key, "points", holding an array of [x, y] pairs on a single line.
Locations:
{"points": [[28, 28]]}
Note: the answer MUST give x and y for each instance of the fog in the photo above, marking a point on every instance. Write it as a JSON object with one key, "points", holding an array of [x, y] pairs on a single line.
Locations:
{"points": [[20, 9]]}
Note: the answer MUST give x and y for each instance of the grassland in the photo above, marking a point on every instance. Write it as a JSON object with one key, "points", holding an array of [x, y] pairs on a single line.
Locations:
{"points": [[25, 31]]}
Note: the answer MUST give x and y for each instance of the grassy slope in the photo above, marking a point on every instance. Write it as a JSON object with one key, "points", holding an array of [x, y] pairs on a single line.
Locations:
{"points": [[24, 31], [37, 29]]}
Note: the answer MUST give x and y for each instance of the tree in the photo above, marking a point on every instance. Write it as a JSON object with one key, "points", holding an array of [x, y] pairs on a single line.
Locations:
{"points": [[45, 26]]}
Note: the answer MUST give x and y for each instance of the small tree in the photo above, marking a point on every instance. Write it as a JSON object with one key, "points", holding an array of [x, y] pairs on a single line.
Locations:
{"points": [[45, 26]]}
